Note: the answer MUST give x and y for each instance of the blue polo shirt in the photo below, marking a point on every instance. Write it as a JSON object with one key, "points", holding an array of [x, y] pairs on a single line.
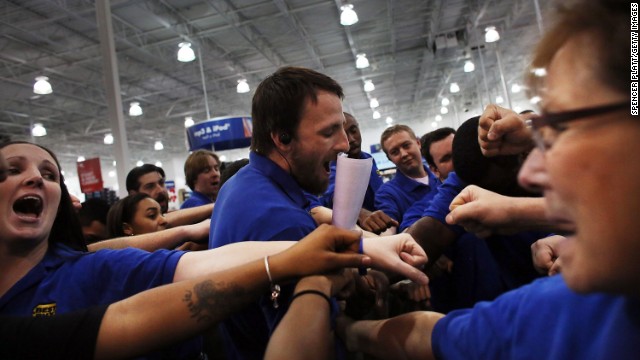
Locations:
{"points": [[484, 268], [542, 320], [196, 199], [398, 194], [415, 211], [439, 207], [262, 202], [67, 280], [375, 181]]}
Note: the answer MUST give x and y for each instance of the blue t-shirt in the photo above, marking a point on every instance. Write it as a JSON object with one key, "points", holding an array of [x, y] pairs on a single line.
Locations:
{"points": [[542, 320], [261, 202], [375, 181], [196, 199], [67, 280], [398, 194]]}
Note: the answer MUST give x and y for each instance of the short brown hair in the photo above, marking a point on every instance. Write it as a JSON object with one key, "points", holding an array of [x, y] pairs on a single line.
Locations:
{"points": [[196, 163], [394, 130], [280, 100]]}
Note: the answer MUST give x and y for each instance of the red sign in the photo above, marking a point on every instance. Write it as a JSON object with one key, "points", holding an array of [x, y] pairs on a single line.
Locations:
{"points": [[90, 175]]}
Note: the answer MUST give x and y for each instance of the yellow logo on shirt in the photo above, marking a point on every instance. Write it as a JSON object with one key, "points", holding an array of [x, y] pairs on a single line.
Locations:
{"points": [[44, 310]]}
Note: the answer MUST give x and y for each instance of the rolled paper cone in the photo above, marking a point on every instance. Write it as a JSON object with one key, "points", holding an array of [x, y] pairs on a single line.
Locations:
{"points": [[352, 179]]}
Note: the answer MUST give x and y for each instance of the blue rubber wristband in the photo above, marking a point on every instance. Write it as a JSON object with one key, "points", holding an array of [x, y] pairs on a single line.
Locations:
{"points": [[361, 270]]}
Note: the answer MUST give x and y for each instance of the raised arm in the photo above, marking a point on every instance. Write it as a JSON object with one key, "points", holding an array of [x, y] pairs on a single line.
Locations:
{"points": [[503, 132]]}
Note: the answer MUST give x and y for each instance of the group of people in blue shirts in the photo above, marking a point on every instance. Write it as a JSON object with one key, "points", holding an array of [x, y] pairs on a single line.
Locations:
{"points": [[525, 196]]}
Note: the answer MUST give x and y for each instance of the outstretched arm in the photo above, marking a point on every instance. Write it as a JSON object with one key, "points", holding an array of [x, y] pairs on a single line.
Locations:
{"points": [[188, 216], [164, 239], [407, 336], [484, 212]]}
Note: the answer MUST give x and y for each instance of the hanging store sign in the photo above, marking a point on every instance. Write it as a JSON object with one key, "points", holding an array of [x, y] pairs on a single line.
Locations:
{"points": [[220, 134]]}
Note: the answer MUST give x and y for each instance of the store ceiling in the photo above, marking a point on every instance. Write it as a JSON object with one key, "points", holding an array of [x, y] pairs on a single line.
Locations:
{"points": [[415, 48]]}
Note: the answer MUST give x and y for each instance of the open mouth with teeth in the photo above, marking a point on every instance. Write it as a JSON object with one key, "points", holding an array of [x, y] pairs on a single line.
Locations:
{"points": [[29, 206]]}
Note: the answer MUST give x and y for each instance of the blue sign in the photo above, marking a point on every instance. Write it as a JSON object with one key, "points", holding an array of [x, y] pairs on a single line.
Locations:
{"points": [[375, 148], [382, 161], [220, 133]]}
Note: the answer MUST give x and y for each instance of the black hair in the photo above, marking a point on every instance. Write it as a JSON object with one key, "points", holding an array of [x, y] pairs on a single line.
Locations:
{"points": [[133, 177], [279, 102], [123, 211], [231, 169], [93, 209], [66, 228], [429, 138]]}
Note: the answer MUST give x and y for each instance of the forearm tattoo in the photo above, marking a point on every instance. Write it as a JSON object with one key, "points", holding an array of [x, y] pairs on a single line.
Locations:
{"points": [[211, 301]]}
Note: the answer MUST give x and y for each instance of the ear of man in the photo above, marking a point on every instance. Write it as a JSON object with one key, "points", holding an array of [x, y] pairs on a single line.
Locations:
{"points": [[281, 140]]}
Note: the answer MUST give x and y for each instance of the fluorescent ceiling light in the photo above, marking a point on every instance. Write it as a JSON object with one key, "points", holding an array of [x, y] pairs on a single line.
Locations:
{"points": [[185, 53], [135, 109], [469, 66], [38, 130], [491, 34], [348, 16], [242, 87], [42, 86], [368, 86], [361, 61]]}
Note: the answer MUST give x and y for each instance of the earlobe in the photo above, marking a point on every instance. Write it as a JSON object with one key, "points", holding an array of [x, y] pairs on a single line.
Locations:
{"points": [[127, 229]]}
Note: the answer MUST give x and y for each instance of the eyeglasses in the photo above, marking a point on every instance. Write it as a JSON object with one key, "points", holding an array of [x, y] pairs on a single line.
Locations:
{"points": [[545, 139]]}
